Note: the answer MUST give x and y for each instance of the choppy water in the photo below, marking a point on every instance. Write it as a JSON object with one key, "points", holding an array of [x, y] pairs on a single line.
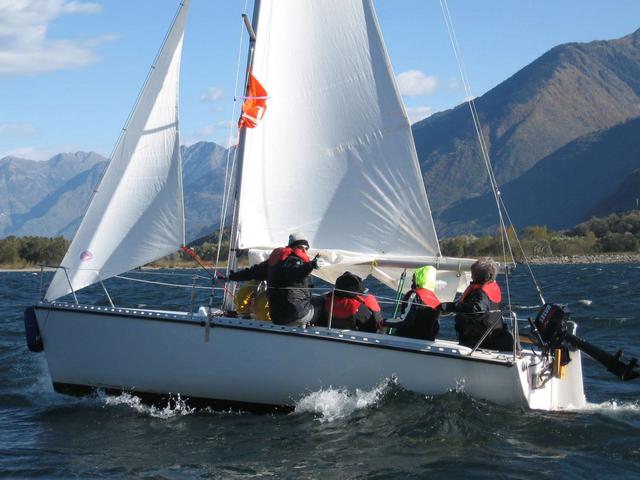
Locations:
{"points": [[383, 433]]}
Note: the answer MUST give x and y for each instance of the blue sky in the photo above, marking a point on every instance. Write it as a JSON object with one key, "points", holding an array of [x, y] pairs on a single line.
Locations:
{"points": [[71, 70]]}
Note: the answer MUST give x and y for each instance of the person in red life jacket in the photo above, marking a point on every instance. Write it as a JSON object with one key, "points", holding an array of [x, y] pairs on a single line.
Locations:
{"points": [[350, 306], [287, 272], [478, 310], [420, 312]]}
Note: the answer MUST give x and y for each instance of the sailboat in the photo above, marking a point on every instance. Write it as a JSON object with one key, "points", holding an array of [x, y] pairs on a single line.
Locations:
{"points": [[331, 155]]}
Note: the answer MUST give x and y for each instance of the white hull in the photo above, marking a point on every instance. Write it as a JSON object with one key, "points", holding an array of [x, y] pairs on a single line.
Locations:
{"points": [[265, 365]]}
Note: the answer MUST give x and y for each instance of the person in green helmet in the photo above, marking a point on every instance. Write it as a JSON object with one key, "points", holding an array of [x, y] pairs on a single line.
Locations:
{"points": [[420, 312]]}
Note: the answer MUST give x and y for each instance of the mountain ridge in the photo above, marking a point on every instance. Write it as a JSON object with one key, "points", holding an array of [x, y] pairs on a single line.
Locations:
{"points": [[571, 90]]}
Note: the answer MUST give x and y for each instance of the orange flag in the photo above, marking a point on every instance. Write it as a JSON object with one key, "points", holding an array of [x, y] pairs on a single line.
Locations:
{"points": [[254, 105]]}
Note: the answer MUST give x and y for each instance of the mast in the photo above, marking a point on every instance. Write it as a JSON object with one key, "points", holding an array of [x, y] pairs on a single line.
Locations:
{"points": [[233, 240]]}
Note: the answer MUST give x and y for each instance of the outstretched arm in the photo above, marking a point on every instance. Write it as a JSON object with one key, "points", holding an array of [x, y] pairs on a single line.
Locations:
{"points": [[256, 272]]}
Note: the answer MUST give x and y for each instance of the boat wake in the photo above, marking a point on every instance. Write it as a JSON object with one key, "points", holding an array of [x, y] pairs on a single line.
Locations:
{"points": [[332, 404], [176, 406]]}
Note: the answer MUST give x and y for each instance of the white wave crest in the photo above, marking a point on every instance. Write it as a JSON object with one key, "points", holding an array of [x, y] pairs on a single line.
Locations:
{"points": [[175, 407], [526, 307], [585, 302], [612, 406], [335, 403]]}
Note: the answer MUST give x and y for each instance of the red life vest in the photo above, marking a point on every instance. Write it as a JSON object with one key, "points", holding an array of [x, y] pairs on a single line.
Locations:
{"points": [[491, 290], [428, 298], [346, 307], [281, 254]]}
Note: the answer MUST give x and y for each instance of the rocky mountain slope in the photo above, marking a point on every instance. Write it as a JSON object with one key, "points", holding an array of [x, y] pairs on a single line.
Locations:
{"points": [[572, 90], [49, 198], [591, 175]]}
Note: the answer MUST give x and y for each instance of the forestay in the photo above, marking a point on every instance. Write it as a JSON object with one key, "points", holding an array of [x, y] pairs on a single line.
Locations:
{"points": [[137, 214], [333, 156]]}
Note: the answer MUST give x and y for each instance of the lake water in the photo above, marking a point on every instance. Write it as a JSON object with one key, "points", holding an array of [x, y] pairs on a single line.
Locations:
{"points": [[383, 433]]}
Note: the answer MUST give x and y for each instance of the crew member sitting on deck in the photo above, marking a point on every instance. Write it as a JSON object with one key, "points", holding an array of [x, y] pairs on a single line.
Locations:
{"points": [[287, 272], [478, 310], [350, 307], [420, 310]]}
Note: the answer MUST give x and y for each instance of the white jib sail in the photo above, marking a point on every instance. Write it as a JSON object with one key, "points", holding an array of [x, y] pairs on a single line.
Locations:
{"points": [[137, 213], [333, 156]]}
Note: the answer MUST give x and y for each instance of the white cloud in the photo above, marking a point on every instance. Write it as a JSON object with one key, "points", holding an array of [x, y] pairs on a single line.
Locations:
{"points": [[218, 127], [415, 83], [419, 113], [81, 7], [212, 94], [206, 131], [24, 45], [455, 84], [17, 130], [216, 132]]}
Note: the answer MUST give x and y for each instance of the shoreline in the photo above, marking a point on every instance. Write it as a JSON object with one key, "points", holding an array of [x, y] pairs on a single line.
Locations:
{"points": [[585, 259]]}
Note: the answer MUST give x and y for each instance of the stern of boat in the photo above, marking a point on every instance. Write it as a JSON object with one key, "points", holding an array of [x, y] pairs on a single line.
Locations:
{"points": [[549, 385]]}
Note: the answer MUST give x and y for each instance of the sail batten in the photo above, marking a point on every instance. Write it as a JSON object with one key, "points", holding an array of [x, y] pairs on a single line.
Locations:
{"points": [[137, 212]]}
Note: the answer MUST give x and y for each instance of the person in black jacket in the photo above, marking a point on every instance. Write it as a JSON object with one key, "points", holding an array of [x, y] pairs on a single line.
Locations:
{"points": [[287, 272], [350, 306], [420, 312], [479, 310]]}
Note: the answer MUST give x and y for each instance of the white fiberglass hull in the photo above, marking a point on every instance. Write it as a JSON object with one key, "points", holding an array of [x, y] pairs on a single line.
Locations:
{"points": [[253, 363]]}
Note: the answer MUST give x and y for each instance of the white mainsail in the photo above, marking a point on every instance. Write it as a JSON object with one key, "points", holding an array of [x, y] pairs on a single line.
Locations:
{"points": [[137, 213], [333, 156]]}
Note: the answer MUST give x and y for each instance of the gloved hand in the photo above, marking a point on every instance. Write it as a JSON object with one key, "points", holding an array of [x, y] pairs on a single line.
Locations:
{"points": [[314, 262], [447, 307]]}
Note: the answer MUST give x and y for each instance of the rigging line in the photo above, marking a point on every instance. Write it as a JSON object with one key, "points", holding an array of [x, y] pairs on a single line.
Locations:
{"points": [[228, 173], [524, 256], [474, 113], [190, 275], [485, 153], [484, 149], [141, 280], [483, 145]]}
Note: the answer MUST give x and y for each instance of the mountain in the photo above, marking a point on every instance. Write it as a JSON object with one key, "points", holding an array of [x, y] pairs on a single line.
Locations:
{"points": [[49, 198], [204, 172], [595, 174], [60, 212], [626, 197], [25, 184], [570, 91]]}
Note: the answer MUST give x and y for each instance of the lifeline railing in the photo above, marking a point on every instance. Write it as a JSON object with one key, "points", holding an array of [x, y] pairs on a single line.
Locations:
{"points": [[193, 286]]}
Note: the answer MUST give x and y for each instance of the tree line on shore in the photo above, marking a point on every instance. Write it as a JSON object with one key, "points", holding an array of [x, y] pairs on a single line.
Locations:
{"points": [[618, 232]]}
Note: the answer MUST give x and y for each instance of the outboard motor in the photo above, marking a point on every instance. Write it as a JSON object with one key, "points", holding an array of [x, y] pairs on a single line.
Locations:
{"points": [[551, 330], [548, 326]]}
